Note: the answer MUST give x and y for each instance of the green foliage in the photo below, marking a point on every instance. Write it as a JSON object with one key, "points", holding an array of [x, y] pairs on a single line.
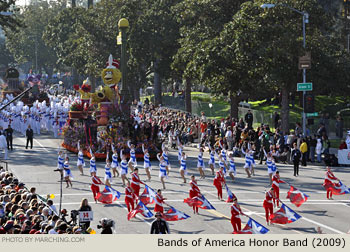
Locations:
{"points": [[27, 43], [9, 22]]}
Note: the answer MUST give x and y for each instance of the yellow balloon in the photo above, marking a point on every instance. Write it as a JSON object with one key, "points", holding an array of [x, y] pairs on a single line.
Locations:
{"points": [[52, 196]]}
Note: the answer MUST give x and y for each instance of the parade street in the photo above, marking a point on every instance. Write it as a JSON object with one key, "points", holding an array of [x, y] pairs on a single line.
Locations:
{"points": [[36, 167]]}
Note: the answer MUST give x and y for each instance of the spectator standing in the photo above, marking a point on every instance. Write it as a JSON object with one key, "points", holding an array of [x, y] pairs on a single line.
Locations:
{"points": [[8, 133], [229, 138], [312, 148], [296, 155], [303, 150], [159, 226], [29, 135], [3, 145], [84, 206], [276, 118], [249, 119], [339, 127]]}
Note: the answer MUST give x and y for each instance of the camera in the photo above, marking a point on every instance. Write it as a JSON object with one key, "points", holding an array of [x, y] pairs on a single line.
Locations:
{"points": [[106, 223]]}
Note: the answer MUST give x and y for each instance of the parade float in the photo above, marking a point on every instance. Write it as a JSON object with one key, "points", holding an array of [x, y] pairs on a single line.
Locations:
{"points": [[97, 121], [13, 87]]}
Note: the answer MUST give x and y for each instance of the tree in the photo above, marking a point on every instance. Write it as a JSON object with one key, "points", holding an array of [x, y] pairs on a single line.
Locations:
{"points": [[276, 36], [6, 58], [9, 22], [27, 44], [200, 23]]}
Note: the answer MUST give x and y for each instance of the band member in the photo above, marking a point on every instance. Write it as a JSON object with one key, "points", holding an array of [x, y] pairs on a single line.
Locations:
{"points": [[135, 182], [132, 161], [95, 182], [129, 197], [235, 216], [165, 155], [60, 162], [219, 180], [276, 187], [80, 162], [162, 169], [146, 162], [67, 173], [211, 162], [333, 179], [124, 167], [180, 148], [183, 167], [108, 174], [271, 166], [159, 200], [115, 163], [93, 169], [222, 164], [194, 192], [268, 206], [232, 170], [200, 163]]}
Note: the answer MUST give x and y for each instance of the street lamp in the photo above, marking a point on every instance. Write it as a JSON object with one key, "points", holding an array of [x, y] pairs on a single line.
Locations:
{"points": [[123, 25], [210, 106], [305, 21]]}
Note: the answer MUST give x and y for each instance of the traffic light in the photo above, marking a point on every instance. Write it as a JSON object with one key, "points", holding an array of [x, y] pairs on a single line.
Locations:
{"points": [[309, 103]]}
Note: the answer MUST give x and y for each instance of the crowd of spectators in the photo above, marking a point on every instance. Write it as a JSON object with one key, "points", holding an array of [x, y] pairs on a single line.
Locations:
{"points": [[234, 134], [23, 211]]}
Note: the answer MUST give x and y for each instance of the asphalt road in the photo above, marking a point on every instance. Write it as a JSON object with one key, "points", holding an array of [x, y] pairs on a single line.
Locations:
{"points": [[35, 168]]}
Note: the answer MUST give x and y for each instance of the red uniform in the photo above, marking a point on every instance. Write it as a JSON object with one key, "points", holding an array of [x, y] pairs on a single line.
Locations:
{"points": [[331, 178], [218, 181], [135, 183], [235, 217], [268, 205], [95, 185], [194, 191], [276, 187], [159, 203], [129, 198]]}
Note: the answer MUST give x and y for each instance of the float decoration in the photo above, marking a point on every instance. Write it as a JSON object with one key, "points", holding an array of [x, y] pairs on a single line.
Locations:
{"points": [[97, 121]]}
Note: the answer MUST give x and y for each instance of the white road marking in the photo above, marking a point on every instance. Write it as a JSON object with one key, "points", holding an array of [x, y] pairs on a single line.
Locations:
{"points": [[24, 141], [41, 145], [322, 225]]}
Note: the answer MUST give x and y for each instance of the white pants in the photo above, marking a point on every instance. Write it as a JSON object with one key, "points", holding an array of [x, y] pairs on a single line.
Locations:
{"points": [[6, 152]]}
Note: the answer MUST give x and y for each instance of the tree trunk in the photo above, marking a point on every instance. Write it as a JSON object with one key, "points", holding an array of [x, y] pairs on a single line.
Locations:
{"points": [[285, 110], [234, 101], [188, 101], [90, 4], [74, 3], [93, 83], [157, 85]]}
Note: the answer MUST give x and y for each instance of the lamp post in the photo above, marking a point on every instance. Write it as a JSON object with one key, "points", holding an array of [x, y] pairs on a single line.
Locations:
{"points": [[305, 21], [123, 25], [210, 106]]}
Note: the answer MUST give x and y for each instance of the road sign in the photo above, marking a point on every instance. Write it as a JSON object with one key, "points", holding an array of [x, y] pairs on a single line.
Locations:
{"points": [[311, 114], [305, 61], [304, 87]]}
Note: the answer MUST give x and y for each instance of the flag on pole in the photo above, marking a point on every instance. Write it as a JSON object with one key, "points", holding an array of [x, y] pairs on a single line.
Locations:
{"points": [[200, 202], [336, 188], [148, 196], [253, 227], [142, 209], [296, 196], [284, 215], [174, 215], [108, 195], [230, 195]]}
